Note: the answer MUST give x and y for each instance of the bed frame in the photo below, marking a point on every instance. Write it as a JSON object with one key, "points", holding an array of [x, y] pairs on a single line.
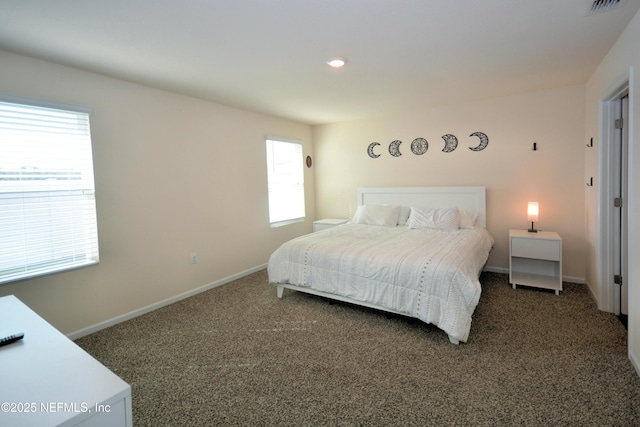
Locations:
{"points": [[465, 198]]}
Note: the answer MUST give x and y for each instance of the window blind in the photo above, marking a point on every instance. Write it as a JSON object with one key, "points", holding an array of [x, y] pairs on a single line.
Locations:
{"points": [[47, 193], [285, 181]]}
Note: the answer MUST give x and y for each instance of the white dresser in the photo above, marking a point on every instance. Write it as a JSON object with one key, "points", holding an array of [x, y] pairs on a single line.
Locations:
{"points": [[47, 380], [535, 259]]}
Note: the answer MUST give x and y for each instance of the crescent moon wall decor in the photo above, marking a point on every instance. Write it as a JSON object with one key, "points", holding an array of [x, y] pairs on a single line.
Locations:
{"points": [[450, 143], [370, 150], [419, 146], [484, 141], [394, 148]]}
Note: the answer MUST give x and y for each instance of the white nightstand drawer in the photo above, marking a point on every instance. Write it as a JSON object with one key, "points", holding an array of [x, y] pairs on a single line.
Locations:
{"points": [[535, 248]]}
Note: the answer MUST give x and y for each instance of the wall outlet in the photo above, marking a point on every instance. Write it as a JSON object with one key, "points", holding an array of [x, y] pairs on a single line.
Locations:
{"points": [[194, 258]]}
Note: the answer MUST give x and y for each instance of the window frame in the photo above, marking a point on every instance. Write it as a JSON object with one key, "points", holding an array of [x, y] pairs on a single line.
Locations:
{"points": [[67, 197], [302, 200]]}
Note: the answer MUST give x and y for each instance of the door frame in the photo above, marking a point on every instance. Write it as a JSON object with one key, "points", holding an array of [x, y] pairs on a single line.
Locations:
{"points": [[609, 293]]}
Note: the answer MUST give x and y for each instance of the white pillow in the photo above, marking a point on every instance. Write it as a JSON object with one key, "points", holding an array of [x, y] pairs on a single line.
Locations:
{"points": [[468, 219], [405, 211], [377, 215], [441, 219]]}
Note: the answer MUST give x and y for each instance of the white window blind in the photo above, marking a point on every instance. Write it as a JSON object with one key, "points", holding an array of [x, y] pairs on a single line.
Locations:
{"points": [[47, 193], [285, 181]]}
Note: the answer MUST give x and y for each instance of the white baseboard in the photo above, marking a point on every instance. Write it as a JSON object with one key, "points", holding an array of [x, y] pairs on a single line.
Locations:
{"points": [[634, 362], [570, 279], [135, 313], [496, 269]]}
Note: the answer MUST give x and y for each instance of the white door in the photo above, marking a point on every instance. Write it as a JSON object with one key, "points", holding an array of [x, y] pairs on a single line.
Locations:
{"points": [[620, 182]]}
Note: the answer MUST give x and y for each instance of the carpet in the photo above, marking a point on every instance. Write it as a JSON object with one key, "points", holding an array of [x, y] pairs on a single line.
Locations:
{"points": [[238, 355]]}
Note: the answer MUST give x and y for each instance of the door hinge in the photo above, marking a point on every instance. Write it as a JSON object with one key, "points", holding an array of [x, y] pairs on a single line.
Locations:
{"points": [[619, 123], [617, 279], [617, 202]]}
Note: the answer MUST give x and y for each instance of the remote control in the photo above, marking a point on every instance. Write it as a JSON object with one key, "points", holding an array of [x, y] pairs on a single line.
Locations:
{"points": [[11, 338]]}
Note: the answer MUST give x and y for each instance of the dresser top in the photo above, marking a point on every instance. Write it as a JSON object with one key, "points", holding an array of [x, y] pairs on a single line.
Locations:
{"points": [[547, 235], [57, 380]]}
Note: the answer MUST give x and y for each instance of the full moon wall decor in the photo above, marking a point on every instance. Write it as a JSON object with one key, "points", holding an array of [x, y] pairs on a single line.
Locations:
{"points": [[420, 146]]}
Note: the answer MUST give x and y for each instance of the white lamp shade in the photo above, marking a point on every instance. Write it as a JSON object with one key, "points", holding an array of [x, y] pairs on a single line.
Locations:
{"points": [[532, 211]]}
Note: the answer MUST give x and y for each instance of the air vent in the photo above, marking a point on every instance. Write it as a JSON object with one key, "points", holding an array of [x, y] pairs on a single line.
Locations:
{"points": [[603, 5]]}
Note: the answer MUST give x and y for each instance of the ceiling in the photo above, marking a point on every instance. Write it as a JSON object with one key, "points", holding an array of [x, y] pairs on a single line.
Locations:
{"points": [[270, 56]]}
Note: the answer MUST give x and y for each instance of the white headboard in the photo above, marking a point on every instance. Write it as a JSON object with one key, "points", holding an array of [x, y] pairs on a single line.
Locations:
{"points": [[465, 198]]}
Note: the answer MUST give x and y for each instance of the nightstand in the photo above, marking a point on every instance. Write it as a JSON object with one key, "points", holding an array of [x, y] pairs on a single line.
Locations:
{"points": [[535, 259], [323, 224]]}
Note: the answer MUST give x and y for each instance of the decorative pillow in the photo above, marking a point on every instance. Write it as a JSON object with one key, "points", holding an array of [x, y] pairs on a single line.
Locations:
{"points": [[468, 219], [405, 211], [441, 219], [377, 215]]}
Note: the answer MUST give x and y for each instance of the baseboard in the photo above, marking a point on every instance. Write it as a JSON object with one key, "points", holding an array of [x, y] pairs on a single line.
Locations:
{"points": [[500, 270], [570, 279], [503, 270], [634, 362], [594, 297], [135, 313]]}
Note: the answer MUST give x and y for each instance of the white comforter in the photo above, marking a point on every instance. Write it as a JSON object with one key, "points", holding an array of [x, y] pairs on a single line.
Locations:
{"points": [[428, 274]]}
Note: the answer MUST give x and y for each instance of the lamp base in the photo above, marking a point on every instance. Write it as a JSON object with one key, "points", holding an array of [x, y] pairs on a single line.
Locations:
{"points": [[532, 230]]}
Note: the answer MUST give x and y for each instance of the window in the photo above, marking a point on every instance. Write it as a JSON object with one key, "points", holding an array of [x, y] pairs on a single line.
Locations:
{"points": [[285, 181], [47, 193]]}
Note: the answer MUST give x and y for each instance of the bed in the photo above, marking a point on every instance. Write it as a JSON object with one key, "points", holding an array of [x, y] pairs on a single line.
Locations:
{"points": [[414, 251]]}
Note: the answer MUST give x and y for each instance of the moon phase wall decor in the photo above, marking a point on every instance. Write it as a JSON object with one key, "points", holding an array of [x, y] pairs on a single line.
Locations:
{"points": [[394, 148], [419, 146], [370, 150], [450, 143], [484, 141]]}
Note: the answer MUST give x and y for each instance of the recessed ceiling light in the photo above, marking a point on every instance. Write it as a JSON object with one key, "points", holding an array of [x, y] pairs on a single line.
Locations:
{"points": [[337, 62]]}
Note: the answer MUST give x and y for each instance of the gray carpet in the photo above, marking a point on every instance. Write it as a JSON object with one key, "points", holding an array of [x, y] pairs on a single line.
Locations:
{"points": [[237, 355]]}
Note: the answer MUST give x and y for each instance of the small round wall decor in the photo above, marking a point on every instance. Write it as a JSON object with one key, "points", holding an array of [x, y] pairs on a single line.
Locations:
{"points": [[419, 146]]}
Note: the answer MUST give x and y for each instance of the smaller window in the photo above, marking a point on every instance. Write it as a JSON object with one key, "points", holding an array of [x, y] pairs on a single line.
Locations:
{"points": [[285, 181]]}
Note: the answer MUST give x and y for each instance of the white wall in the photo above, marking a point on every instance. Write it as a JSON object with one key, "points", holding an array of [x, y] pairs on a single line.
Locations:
{"points": [[513, 173], [621, 63], [174, 175]]}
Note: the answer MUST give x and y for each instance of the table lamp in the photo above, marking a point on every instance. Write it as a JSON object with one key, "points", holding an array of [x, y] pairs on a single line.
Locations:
{"points": [[532, 215]]}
